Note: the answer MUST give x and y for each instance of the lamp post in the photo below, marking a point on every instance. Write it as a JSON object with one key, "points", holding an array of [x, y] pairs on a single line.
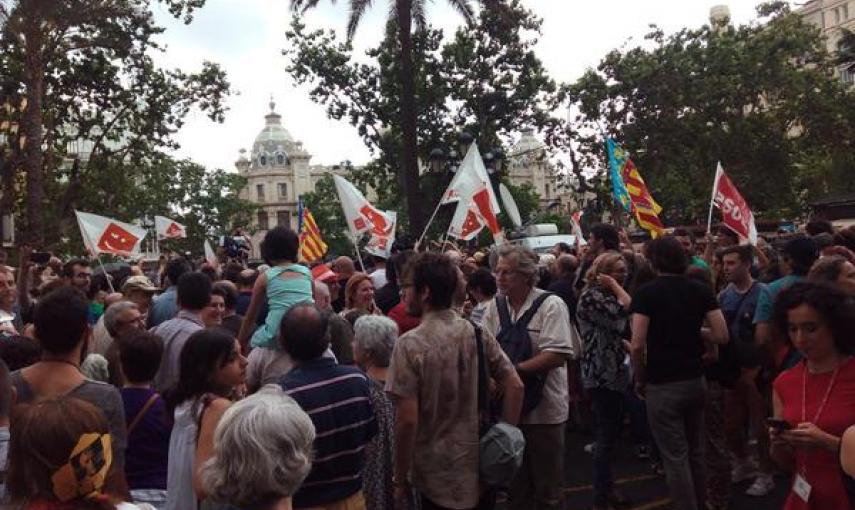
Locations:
{"points": [[442, 162]]}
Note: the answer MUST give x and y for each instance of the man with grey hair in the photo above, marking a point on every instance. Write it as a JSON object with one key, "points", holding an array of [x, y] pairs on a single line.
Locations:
{"points": [[119, 318], [263, 449], [539, 481]]}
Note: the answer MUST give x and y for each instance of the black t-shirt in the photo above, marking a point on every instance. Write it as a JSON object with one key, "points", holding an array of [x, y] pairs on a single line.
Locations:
{"points": [[676, 307], [564, 289], [386, 297]]}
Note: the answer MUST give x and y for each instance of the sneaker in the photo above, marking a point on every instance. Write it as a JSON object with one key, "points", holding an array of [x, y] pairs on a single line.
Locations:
{"points": [[642, 452], [589, 448], [763, 485], [743, 470]]}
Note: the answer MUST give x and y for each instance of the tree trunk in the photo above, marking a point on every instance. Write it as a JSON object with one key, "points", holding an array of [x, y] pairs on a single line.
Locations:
{"points": [[409, 156], [32, 129]]}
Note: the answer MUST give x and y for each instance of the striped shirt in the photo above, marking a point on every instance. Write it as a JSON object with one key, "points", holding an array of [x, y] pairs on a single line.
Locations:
{"points": [[336, 398]]}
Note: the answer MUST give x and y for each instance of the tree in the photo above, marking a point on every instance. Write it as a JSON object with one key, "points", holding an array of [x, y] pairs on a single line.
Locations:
{"points": [[486, 80], [206, 202], [85, 69], [760, 98], [403, 13]]}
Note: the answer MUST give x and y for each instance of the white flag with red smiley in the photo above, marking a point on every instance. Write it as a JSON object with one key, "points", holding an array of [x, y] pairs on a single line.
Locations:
{"points": [[169, 229], [106, 235]]}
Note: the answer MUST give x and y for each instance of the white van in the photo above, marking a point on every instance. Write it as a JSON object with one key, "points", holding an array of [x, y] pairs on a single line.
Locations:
{"points": [[542, 238]]}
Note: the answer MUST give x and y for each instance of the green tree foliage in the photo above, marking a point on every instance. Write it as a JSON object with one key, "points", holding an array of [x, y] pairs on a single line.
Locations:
{"points": [[95, 99], [403, 14], [328, 214], [206, 202], [486, 79], [761, 98]]}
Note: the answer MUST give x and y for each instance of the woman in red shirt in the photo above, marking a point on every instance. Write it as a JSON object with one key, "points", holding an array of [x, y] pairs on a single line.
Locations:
{"points": [[814, 402]]}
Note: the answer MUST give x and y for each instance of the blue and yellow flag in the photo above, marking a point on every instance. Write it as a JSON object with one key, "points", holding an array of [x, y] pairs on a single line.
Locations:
{"points": [[617, 161], [641, 202]]}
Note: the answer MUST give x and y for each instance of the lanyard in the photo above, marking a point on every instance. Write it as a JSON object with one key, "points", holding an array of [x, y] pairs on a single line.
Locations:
{"points": [[819, 410]]}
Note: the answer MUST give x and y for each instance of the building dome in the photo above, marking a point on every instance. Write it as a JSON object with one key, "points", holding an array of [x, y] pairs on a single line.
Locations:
{"points": [[528, 143], [274, 143]]}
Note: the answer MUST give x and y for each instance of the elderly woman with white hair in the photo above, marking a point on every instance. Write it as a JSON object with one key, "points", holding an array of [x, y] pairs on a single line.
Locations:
{"points": [[262, 452], [373, 341]]}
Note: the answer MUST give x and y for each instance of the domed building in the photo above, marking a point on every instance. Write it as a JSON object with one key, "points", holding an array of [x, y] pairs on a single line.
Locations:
{"points": [[528, 164], [278, 172]]}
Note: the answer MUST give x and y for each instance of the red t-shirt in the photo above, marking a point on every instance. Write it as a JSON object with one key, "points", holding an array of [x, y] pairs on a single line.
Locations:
{"points": [[405, 321], [822, 468]]}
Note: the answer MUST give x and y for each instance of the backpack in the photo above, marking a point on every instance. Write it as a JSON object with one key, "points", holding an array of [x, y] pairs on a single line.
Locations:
{"points": [[516, 342], [500, 445]]}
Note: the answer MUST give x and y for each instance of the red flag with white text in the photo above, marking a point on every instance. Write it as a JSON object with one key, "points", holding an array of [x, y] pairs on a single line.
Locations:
{"points": [[735, 213]]}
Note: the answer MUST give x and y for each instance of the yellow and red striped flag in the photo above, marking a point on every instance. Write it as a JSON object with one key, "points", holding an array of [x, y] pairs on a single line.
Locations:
{"points": [[312, 245], [643, 205]]}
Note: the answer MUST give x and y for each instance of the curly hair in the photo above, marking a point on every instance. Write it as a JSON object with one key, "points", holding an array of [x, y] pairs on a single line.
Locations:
{"points": [[827, 269], [833, 304]]}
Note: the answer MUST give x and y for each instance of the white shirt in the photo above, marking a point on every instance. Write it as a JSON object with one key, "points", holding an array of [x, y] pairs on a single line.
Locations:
{"points": [[378, 277], [549, 330]]}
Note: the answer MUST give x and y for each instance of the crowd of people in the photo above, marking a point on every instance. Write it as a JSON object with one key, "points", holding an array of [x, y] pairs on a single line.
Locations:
{"points": [[439, 379]]}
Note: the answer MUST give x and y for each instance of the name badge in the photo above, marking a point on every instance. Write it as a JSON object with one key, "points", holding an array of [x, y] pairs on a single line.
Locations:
{"points": [[802, 488]]}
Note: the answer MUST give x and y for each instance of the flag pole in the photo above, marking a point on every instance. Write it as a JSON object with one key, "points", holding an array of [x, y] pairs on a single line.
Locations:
{"points": [[712, 198], [430, 221], [106, 275], [358, 255]]}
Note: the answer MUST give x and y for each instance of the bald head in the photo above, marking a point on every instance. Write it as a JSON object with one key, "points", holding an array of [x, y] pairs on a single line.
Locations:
{"points": [[321, 295], [344, 266], [304, 332], [566, 265]]}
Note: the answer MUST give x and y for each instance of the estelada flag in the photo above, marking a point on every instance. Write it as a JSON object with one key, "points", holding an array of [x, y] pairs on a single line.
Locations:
{"points": [[169, 229], [735, 213], [106, 235], [312, 245]]}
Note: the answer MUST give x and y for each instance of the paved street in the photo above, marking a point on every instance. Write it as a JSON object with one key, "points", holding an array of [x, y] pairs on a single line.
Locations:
{"points": [[638, 482]]}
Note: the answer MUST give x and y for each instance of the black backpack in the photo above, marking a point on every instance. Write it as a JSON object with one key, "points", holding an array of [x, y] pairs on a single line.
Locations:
{"points": [[516, 342]]}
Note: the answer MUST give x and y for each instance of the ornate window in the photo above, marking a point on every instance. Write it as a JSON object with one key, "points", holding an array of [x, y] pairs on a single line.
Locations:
{"points": [[283, 190], [280, 159], [262, 160], [283, 218], [259, 191], [262, 220]]}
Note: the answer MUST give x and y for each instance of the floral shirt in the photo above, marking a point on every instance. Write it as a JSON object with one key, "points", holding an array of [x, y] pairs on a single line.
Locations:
{"points": [[380, 452], [602, 323]]}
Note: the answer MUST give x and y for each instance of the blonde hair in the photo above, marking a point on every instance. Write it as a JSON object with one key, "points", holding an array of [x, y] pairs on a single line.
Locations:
{"points": [[603, 264]]}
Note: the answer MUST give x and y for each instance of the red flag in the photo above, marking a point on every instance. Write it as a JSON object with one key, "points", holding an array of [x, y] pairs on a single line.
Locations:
{"points": [[117, 240], [735, 212]]}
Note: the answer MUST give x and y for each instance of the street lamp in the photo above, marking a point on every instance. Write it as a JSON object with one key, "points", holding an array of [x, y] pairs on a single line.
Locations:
{"points": [[464, 140]]}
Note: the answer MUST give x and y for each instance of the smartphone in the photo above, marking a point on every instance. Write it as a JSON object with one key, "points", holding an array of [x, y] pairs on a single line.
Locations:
{"points": [[40, 257], [781, 425]]}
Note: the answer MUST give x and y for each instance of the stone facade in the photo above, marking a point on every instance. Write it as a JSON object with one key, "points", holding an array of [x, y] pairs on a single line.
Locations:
{"points": [[278, 172], [831, 16]]}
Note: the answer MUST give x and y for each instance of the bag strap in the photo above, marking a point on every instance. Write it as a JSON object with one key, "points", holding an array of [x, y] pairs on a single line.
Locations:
{"points": [[150, 402], [483, 398], [504, 312], [535, 305]]}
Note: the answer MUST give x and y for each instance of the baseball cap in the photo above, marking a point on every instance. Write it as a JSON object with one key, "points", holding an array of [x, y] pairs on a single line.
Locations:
{"points": [[139, 283], [322, 273]]}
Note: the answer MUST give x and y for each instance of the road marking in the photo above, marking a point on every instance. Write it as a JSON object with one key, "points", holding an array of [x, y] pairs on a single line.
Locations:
{"points": [[629, 479]]}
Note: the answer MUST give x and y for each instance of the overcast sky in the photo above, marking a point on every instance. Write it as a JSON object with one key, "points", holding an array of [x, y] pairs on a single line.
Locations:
{"points": [[246, 38]]}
